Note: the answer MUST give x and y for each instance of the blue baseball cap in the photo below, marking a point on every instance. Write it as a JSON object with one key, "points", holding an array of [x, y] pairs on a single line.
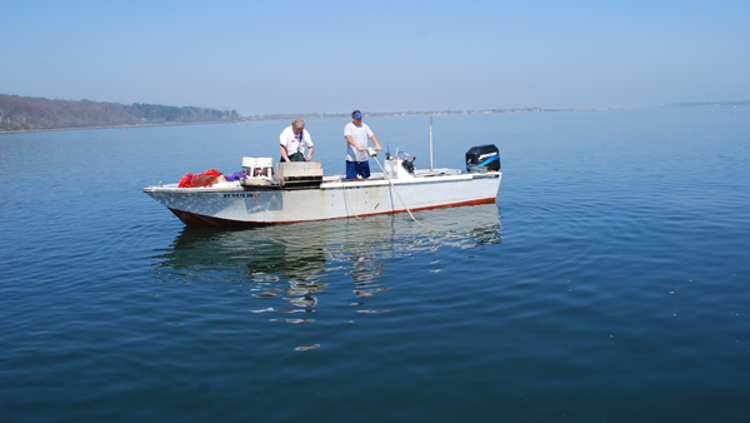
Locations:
{"points": [[356, 114]]}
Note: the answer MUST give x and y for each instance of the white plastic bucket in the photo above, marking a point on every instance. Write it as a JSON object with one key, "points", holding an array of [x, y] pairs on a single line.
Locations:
{"points": [[248, 165], [263, 167], [248, 161]]}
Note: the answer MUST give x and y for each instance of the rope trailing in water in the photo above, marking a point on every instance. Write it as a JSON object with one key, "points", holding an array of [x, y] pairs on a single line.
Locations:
{"points": [[343, 186], [394, 189]]}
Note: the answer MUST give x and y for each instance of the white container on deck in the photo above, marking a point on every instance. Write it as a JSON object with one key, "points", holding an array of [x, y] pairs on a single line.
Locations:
{"points": [[248, 166], [263, 167]]}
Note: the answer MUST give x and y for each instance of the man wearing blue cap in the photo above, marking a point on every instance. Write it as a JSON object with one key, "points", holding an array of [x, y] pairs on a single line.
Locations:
{"points": [[357, 134]]}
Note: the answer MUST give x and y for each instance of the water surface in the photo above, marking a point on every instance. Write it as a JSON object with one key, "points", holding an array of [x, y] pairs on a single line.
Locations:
{"points": [[608, 283]]}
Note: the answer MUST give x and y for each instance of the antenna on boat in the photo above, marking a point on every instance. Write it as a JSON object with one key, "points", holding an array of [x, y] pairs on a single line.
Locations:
{"points": [[431, 168]]}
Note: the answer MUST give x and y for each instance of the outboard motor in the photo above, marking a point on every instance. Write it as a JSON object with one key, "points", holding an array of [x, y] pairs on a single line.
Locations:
{"points": [[483, 158]]}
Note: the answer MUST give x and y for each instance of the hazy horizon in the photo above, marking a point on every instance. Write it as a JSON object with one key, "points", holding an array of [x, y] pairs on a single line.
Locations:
{"points": [[333, 57]]}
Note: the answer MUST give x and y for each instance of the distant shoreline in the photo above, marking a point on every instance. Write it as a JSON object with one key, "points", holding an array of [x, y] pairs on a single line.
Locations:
{"points": [[279, 117], [24, 114], [287, 116], [142, 125]]}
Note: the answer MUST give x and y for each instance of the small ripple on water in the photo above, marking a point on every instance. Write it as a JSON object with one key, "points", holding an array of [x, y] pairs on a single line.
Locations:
{"points": [[308, 347], [298, 321], [296, 311], [369, 292]]}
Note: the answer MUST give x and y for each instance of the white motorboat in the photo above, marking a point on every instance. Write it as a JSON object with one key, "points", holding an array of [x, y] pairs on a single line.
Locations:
{"points": [[299, 192]]}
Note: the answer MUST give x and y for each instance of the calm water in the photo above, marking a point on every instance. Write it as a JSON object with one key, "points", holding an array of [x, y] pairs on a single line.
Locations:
{"points": [[610, 282]]}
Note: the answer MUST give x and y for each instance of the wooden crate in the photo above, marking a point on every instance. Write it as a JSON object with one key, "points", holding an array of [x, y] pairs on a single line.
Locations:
{"points": [[299, 173]]}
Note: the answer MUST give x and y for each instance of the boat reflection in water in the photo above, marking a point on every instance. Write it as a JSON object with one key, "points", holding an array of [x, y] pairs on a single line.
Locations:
{"points": [[285, 268]]}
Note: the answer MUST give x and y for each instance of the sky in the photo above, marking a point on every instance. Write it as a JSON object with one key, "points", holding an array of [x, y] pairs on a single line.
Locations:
{"points": [[264, 57]]}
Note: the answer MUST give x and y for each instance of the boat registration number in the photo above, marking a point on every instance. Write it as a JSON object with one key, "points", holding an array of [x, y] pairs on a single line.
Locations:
{"points": [[243, 195]]}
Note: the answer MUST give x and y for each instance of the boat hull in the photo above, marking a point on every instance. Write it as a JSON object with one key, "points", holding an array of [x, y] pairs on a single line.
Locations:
{"points": [[263, 205]]}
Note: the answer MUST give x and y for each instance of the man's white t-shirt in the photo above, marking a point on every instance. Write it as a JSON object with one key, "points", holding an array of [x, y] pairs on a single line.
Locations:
{"points": [[360, 135], [291, 141]]}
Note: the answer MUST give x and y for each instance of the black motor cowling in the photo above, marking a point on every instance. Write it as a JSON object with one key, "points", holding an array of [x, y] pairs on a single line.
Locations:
{"points": [[483, 158]]}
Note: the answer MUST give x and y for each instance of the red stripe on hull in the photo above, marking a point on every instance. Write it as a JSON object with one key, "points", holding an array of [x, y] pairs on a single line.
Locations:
{"points": [[192, 219]]}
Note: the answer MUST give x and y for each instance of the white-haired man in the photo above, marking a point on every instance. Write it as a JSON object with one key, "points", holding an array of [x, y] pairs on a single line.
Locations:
{"points": [[293, 140]]}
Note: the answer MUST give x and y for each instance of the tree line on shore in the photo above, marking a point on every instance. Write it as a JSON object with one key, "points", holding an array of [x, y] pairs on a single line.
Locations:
{"points": [[35, 113]]}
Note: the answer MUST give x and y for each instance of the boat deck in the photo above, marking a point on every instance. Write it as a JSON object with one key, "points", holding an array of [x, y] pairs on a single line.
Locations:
{"points": [[328, 181]]}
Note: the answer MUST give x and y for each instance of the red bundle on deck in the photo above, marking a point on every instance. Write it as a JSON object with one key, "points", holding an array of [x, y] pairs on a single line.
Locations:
{"points": [[186, 181], [206, 178], [211, 172]]}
